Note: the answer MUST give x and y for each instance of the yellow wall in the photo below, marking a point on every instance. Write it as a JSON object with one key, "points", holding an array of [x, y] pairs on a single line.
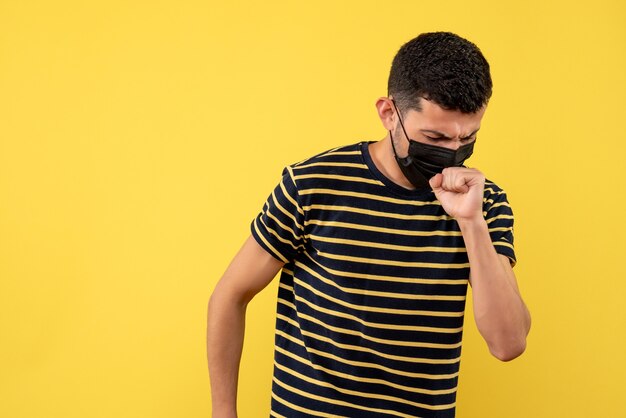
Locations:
{"points": [[138, 140]]}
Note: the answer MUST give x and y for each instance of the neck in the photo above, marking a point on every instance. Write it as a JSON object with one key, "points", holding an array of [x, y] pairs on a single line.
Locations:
{"points": [[385, 160]]}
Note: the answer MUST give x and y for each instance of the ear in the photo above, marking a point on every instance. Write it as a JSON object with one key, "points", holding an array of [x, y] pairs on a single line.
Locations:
{"points": [[386, 113]]}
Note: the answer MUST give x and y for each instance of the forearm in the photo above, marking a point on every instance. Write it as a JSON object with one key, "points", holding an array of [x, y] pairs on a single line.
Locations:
{"points": [[225, 334], [500, 313]]}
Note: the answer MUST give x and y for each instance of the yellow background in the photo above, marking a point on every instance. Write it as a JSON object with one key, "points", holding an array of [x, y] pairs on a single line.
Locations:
{"points": [[138, 139]]}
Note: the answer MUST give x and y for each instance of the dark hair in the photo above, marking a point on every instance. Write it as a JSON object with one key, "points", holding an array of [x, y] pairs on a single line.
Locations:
{"points": [[442, 67]]}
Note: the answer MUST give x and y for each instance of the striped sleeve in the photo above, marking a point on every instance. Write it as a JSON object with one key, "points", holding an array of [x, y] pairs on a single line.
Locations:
{"points": [[499, 217], [278, 228]]}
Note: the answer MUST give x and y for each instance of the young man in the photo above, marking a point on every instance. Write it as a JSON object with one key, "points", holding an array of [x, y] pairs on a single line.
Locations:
{"points": [[377, 242]]}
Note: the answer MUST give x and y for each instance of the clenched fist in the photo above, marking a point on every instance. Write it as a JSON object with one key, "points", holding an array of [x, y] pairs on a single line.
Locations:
{"points": [[460, 192]]}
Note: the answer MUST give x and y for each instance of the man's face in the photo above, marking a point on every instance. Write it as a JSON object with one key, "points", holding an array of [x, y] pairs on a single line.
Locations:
{"points": [[437, 126]]}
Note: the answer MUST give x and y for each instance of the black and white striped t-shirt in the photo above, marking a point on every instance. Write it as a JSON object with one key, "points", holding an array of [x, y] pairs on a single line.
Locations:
{"points": [[372, 296]]}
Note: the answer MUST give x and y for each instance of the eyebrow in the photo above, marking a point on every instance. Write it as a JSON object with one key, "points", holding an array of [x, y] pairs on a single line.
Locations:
{"points": [[441, 134]]}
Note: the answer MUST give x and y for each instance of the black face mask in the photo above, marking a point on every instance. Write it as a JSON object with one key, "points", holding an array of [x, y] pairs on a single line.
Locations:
{"points": [[425, 160]]}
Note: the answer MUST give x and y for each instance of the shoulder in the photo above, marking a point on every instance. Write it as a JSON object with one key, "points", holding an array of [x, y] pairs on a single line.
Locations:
{"points": [[495, 198], [492, 189], [341, 167], [342, 156]]}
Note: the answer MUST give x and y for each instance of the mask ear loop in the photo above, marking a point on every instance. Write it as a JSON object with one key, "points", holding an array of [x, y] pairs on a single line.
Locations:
{"points": [[403, 130]]}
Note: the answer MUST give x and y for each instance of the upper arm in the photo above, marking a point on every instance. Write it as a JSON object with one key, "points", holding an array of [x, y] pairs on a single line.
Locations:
{"points": [[277, 235], [510, 275], [249, 272], [499, 217], [508, 268]]}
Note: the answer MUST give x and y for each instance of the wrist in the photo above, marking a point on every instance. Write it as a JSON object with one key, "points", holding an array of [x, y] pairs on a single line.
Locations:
{"points": [[473, 223]]}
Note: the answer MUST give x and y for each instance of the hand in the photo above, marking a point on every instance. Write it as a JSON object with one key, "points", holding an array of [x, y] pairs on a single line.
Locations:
{"points": [[460, 192]]}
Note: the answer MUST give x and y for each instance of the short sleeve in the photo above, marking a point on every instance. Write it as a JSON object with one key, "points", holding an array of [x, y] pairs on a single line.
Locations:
{"points": [[499, 217], [279, 228]]}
